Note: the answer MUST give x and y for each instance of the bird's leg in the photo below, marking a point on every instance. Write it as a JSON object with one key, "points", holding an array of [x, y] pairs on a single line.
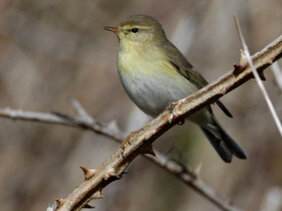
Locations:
{"points": [[170, 107]]}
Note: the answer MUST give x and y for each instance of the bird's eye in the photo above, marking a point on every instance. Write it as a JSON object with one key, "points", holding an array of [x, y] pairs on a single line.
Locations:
{"points": [[134, 30]]}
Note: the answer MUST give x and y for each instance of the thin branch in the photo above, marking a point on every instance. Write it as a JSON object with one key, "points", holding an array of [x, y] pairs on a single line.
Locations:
{"points": [[141, 140], [138, 142], [86, 122], [241, 73], [257, 77]]}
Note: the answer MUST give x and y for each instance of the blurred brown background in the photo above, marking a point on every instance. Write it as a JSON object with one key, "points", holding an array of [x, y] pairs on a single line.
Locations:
{"points": [[56, 50]]}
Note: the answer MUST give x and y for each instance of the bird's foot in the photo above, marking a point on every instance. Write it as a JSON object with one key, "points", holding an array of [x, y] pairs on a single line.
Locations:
{"points": [[170, 107]]}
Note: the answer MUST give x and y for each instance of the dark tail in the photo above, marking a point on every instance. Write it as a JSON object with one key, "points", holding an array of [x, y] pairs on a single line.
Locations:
{"points": [[224, 145]]}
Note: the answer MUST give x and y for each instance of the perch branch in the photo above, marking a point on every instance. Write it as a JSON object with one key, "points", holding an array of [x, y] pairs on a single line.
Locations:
{"points": [[86, 122], [139, 141]]}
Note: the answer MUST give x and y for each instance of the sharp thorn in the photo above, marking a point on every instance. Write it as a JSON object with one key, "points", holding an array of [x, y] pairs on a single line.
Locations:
{"points": [[262, 76], [59, 202], [110, 173], [88, 173], [149, 150], [198, 169], [98, 195], [113, 124], [87, 206]]}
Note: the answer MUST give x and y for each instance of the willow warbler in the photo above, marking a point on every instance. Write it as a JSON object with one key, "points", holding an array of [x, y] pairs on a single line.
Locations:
{"points": [[154, 72]]}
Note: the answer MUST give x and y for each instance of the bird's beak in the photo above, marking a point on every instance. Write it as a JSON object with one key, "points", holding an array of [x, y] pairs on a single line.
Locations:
{"points": [[112, 29]]}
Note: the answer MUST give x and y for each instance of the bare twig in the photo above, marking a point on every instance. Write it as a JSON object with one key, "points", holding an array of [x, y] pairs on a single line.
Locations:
{"points": [[257, 77], [86, 122], [141, 140]]}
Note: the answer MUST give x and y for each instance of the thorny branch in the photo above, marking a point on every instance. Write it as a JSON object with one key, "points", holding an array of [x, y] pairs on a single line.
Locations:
{"points": [[86, 122], [139, 141]]}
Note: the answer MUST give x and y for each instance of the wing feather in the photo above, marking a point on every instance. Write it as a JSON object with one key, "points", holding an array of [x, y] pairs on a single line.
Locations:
{"points": [[181, 64]]}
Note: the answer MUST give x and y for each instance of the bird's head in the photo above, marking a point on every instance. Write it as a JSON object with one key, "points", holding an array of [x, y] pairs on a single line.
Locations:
{"points": [[139, 29]]}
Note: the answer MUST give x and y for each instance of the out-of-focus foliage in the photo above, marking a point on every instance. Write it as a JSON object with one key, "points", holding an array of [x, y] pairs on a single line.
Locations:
{"points": [[55, 50]]}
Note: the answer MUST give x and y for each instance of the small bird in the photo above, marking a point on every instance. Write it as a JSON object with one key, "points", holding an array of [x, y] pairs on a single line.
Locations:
{"points": [[154, 73]]}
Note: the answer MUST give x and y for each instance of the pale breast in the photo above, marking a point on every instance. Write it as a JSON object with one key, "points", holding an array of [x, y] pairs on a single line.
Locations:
{"points": [[151, 83]]}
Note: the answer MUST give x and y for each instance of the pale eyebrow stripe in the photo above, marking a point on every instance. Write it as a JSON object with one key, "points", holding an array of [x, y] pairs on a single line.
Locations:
{"points": [[136, 26]]}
